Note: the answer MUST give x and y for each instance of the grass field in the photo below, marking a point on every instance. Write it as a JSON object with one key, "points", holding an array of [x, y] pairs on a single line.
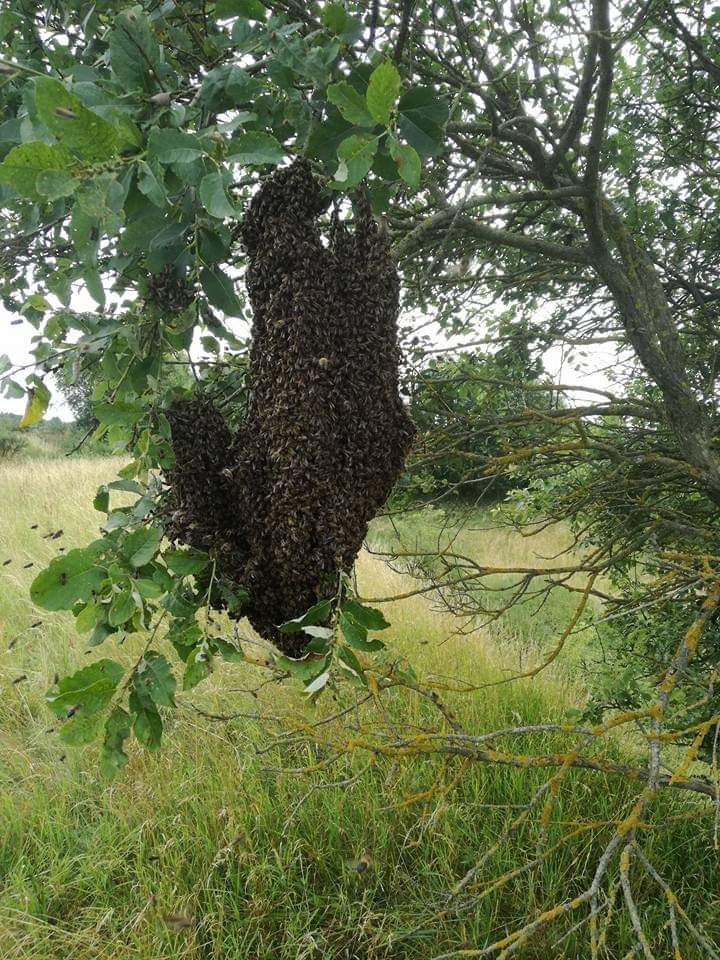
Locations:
{"points": [[202, 851]]}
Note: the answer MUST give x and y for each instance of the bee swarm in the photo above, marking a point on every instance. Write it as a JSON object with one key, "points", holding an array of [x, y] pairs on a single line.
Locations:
{"points": [[284, 504]]}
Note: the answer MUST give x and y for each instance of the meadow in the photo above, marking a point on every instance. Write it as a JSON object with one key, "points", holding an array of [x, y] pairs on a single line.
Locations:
{"points": [[212, 848]]}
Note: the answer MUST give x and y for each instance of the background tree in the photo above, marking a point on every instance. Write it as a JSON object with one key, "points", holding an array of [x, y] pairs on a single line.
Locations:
{"points": [[468, 409], [566, 154]]}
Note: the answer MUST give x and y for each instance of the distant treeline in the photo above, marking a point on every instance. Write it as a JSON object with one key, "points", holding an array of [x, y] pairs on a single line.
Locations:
{"points": [[48, 438]]}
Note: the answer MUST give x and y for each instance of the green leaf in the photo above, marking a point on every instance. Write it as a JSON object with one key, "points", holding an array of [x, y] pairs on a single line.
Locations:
{"points": [[149, 589], [174, 146], [255, 147], [134, 52], [78, 128], [118, 413], [227, 86], [13, 390], [228, 651], [380, 195], [89, 617], [129, 486], [356, 155], [67, 580], [350, 662], [23, 164], [304, 670], [407, 160], [213, 196], [186, 562], [79, 730], [88, 690], [142, 545], [151, 186], [422, 115], [54, 184], [117, 730], [356, 635], [316, 614], [220, 291], [100, 634], [354, 632], [252, 9], [316, 685], [350, 103], [37, 403], [36, 301], [327, 135], [156, 676], [320, 633], [94, 284], [122, 608], [184, 636], [382, 91], [147, 725], [199, 666], [334, 17], [368, 617]]}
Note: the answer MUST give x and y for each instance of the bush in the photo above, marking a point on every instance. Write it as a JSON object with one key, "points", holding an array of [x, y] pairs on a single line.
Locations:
{"points": [[11, 445]]}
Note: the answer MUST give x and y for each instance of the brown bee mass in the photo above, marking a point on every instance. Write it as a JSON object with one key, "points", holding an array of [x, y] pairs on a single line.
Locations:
{"points": [[169, 291], [284, 504]]}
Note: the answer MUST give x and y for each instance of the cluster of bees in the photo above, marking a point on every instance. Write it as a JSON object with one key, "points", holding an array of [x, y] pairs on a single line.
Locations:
{"points": [[169, 290], [284, 504]]}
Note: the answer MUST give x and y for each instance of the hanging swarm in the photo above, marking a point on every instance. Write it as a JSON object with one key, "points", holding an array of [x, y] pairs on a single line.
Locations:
{"points": [[202, 501], [285, 505]]}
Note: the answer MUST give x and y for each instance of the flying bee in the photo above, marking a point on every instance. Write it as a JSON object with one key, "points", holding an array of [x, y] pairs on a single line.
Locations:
{"points": [[176, 921], [361, 866]]}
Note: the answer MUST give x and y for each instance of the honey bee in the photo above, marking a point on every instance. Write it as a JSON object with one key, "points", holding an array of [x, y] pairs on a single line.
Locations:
{"points": [[361, 866], [176, 921]]}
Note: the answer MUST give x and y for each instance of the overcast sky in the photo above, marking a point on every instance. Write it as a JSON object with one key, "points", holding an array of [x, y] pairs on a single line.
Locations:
{"points": [[16, 342]]}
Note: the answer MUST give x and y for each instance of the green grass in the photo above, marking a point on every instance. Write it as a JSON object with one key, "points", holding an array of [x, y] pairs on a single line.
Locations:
{"points": [[256, 860]]}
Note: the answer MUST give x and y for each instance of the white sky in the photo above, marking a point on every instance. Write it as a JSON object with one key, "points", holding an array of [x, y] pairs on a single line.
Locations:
{"points": [[15, 341]]}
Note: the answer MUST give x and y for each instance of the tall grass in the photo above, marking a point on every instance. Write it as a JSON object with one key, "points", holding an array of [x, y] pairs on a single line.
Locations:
{"points": [[203, 851], [527, 628]]}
